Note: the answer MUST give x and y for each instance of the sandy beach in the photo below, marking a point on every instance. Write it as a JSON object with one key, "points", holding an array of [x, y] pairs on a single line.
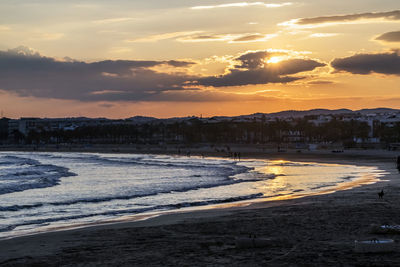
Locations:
{"points": [[315, 230]]}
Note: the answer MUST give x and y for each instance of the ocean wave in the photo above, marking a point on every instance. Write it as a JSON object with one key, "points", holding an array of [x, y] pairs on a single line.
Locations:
{"points": [[25, 174], [349, 177], [40, 176], [126, 197], [170, 162], [14, 160], [46, 221], [323, 186], [292, 164], [7, 228], [258, 176]]}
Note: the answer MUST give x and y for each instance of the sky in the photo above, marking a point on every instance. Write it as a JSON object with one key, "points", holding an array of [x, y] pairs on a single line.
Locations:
{"points": [[123, 58]]}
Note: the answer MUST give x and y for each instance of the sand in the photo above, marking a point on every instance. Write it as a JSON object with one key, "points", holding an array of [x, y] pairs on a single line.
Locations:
{"points": [[310, 231]]}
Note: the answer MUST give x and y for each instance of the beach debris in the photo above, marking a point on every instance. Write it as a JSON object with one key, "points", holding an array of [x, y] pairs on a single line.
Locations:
{"points": [[385, 229], [252, 242], [374, 245]]}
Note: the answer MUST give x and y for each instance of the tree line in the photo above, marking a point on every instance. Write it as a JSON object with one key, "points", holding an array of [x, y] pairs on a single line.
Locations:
{"points": [[197, 131]]}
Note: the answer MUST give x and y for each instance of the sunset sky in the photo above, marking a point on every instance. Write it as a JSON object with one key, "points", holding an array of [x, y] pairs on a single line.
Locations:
{"points": [[122, 58]]}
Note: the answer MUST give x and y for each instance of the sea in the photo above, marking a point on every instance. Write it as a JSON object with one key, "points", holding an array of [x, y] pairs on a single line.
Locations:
{"points": [[42, 191]]}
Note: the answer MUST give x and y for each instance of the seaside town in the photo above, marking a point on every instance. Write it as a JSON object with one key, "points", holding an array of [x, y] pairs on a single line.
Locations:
{"points": [[368, 128]]}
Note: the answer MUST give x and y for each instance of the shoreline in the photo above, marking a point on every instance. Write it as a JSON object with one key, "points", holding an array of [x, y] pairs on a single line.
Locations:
{"points": [[188, 211], [311, 157], [18, 252], [347, 185], [203, 149]]}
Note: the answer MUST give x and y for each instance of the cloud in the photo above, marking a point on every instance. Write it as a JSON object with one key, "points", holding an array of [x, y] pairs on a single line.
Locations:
{"points": [[243, 4], [255, 59], [163, 36], [385, 63], [253, 68], [113, 20], [27, 73], [106, 105], [230, 38], [179, 64], [389, 37], [322, 35], [320, 82], [206, 38], [253, 38], [201, 36], [350, 18]]}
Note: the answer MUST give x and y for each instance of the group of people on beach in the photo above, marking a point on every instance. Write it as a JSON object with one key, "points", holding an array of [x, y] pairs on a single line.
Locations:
{"points": [[235, 155]]}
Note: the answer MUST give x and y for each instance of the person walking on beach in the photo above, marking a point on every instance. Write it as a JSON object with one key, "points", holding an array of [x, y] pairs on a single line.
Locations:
{"points": [[381, 194]]}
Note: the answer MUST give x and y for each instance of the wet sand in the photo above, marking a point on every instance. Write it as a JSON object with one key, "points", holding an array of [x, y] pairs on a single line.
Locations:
{"points": [[310, 231]]}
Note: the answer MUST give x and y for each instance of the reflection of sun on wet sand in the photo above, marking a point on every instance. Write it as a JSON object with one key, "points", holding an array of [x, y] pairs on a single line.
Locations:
{"points": [[316, 230]]}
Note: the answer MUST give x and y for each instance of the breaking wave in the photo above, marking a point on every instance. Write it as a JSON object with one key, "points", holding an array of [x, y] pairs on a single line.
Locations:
{"points": [[19, 174]]}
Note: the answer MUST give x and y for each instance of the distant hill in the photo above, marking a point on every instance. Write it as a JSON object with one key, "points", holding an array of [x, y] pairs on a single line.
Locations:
{"points": [[141, 119], [377, 110], [281, 114], [302, 113]]}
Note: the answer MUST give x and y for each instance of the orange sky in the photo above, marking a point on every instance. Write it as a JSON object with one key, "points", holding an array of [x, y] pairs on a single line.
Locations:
{"points": [[122, 58]]}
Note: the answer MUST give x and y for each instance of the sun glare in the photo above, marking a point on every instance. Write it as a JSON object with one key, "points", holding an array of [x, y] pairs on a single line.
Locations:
{"points": [[274, 60]]}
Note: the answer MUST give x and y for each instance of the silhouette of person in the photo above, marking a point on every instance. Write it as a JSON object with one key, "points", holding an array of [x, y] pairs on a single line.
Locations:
{"points": [[381, 194]]}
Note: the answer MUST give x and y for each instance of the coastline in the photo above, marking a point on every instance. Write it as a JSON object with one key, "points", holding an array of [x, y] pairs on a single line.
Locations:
{"points": [[80, 245]]}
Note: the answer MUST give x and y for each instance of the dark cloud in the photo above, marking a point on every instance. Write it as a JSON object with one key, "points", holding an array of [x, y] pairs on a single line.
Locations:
{"points": [[253, 60], [390, 15], [201, 38], [29, 74], [206, 96], [179, 64], [319, 82], [106, 105], [254, 69], [249, 38], [231, 38], [385, 63], [238, 78], [389, 37]]}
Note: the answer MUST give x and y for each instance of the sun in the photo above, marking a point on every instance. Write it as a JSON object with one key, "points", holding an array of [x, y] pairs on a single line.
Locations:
{"points": [[274, 60]]}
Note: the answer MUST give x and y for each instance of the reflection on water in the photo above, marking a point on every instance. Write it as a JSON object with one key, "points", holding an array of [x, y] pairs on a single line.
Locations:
{"points": [[298, 179], [274, 169]]}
